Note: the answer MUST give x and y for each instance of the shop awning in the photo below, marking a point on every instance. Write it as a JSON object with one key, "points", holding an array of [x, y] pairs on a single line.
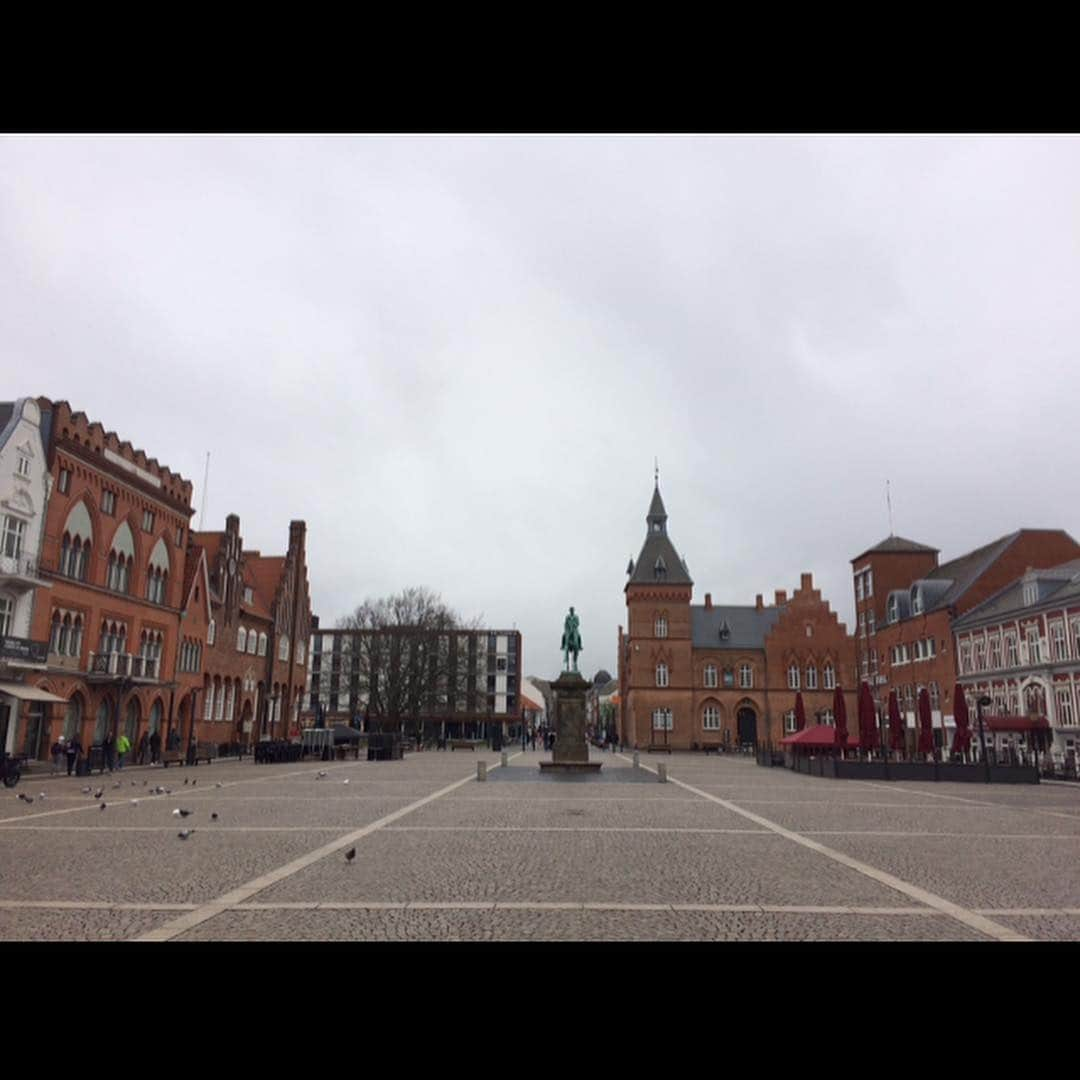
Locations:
{"points": [[28, 693], [818, 737]]}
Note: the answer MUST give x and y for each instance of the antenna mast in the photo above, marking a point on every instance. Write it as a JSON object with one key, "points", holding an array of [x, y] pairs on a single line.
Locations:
{"points": [[206, 480], [888, 501]]}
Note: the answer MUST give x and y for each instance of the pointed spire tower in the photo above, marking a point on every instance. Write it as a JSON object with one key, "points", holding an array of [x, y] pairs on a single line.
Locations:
{"points": [[659, 563], [655, 654]]}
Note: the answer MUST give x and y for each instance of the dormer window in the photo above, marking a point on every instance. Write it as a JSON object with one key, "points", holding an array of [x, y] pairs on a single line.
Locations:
{"points": [[893, 612], [1031, 593], [725, 631], [916, 601], [660, 567], [249, 594]]}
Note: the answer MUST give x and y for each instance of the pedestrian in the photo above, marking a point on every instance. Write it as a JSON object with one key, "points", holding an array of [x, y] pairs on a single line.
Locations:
{"points": [[155, 748], [144, 743], [123, 745], [74, 749], [58, 754], [108, 748]]}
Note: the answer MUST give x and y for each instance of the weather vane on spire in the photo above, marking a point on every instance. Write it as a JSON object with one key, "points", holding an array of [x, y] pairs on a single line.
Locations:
{"points": [[656, 470]]}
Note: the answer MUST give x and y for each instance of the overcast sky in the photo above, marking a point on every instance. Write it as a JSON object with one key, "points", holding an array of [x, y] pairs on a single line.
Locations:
{"points": [[456, 358]]}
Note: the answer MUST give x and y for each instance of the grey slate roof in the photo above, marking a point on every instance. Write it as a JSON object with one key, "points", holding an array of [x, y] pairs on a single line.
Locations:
{"points": [[964, 571], [898, 545], [7, 410], [1059, 584], [658, 550], [747, 625]]}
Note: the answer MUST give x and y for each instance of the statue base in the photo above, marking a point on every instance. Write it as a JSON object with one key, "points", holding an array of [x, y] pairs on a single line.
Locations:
{"points": [[571, 753]]}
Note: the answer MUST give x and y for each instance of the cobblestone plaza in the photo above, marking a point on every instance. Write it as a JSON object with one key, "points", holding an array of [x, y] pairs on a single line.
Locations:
{"points": [[724, 851]]}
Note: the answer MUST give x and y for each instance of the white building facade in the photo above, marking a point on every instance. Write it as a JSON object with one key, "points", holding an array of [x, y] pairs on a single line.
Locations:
{"points": [[1021, 648], [24, 492]]}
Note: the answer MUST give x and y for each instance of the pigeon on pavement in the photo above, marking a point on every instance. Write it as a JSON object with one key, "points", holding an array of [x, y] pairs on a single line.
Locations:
{"points": [[350, 855], [99, 793], [185, 781], [194, 782], [86, 790], [345, 781], [134, 802], [185, 833], [218, 784], [102, 806], [182, 813], [118, 784], [322, 773], [213, 817]]}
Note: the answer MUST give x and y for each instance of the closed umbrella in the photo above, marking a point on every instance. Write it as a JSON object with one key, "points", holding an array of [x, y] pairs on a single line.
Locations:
{"points": [[800, 712], [896, 723], [926, 724], [962, 738], [840, 712], [867, 719]]}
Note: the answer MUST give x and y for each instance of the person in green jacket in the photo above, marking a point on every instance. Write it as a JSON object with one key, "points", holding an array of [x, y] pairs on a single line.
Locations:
{"points": [[123, 745]]}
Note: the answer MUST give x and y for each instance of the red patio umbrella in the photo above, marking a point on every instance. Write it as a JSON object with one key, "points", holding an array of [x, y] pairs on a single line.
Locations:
{"points": [[800, 712], [962, 738], [867, 717], [926, 724], [896, 723], [840, 713]]}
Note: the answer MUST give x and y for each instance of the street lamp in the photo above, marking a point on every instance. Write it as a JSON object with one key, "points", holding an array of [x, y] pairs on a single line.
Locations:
{"points": [[984, 700]]}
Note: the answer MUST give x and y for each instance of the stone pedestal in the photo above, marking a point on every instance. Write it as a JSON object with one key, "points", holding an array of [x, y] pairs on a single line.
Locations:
{"points": [[571, 753]]}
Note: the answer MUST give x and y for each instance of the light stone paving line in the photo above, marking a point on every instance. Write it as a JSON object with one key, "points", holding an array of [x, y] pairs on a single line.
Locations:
{"points": [[567, 828], [981, 805], [212, 827], [123, 798], [244, 892], [90, 905], [976, 922]]}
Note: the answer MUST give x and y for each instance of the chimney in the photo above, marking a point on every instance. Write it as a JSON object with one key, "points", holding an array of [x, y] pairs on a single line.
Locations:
{"points": [[781, 597], [708, 601], [297, 530], [807, 582], [759, 603], [232, 523]]}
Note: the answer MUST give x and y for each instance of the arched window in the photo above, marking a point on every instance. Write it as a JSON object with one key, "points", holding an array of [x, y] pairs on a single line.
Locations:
{"points": [[73, 717], [155, 717], [793, 676], [711, 718], [75, 644], [811, 678], [157, 573], [54, 634], [241, 639], [283, 648], [219, 700], [208, 706], [661, 626], [252, 642], [75, 548], [121, 559], [661, 674], [710, 675], [65, 635], [232, 701], [262, 644], [746, 676], [211, 632], [830, 677], [102, 725]]}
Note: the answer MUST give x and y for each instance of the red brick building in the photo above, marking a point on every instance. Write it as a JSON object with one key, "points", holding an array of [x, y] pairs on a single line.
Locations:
{"points": [[906, 604], [693, 675], [255, 660], [116, 530]]}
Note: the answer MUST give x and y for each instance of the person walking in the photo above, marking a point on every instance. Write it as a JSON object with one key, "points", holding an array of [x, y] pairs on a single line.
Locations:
{"points": [[58, 754], [108, 751], [144, 743], [74, 749], [155, 748], [123, 745]]}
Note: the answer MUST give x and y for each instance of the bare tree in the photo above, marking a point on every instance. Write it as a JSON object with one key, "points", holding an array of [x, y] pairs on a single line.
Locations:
{"points": [[402, 655]]}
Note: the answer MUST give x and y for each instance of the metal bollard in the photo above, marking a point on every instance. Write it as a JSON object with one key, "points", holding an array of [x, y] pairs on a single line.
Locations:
{"points": [[504, 759], [637, 759], [481, 770], [661, 772]]}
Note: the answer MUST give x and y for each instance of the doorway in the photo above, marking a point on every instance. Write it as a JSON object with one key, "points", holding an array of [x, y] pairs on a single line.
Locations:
{"points": [[747, 721]]}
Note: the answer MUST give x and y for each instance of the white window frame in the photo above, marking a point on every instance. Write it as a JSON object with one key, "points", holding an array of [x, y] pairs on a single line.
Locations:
{"points": [[241, 639], [789, 722], [208, 704], [870, 628], [746, 676], [1031, 593], [869, 584], [829, 677], [859, 595], [811, 677], [711, 676], [7, 616], [211, 632], [793, 676], [663, 720], [14, 536], [660, 627], [662, 675], [262, 644], [283, 649], [710, 718], [1066, 716], [1059, 645]]}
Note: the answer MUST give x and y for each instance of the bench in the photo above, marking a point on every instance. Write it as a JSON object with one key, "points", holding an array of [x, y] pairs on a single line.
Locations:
{"points": [[171, 757], [712, 747], [659, 748], [462, 744], [204, 751]]}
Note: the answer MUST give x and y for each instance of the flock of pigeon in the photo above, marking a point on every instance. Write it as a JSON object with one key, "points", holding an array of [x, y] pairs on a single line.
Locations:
{"points": [[179, 812]]}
